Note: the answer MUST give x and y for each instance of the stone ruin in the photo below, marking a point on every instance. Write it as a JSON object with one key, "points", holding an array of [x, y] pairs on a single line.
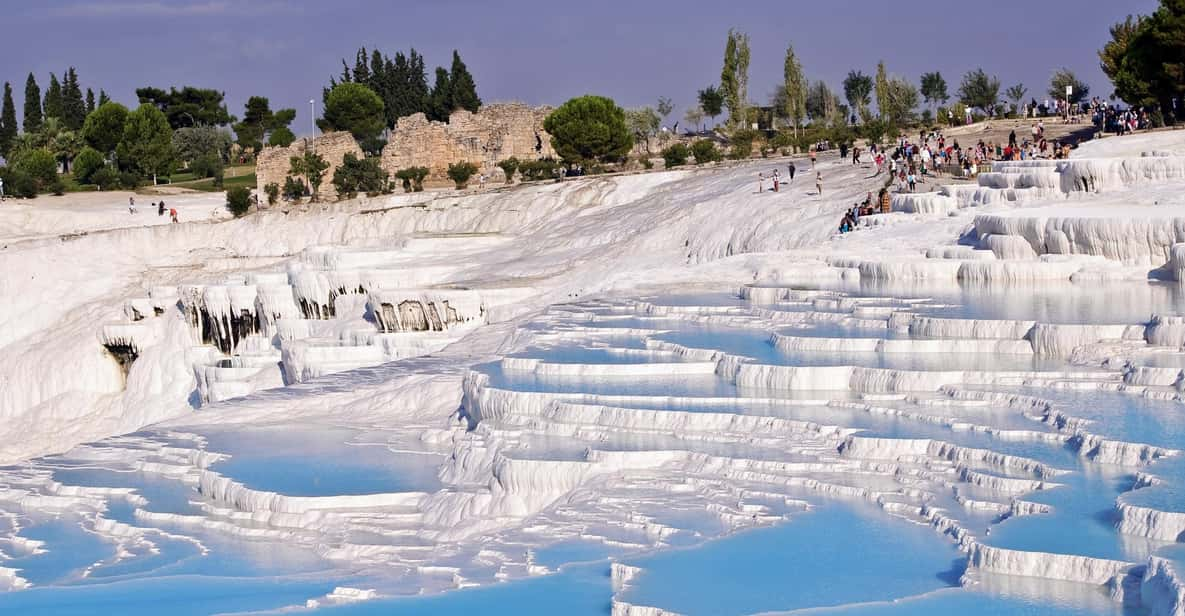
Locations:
{"points": [[496, 132], [273, 163]]}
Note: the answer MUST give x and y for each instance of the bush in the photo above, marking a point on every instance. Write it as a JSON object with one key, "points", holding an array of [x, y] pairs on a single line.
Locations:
{"points": [[41, 167], [646, 163], [105, 177], [238, 200], [875, 130], [705, 151], [129, 180], [88, 161], [509, 166], [17, 183], [927, 117], [676, 155], [543, 169], [412, 178], [941, 116], [207, 166], [294, 189], [273, 193], [460, 173], [357, 175]]}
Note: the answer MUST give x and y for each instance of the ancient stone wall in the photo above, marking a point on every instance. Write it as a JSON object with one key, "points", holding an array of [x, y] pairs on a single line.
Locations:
{"points": [[273, 163], [495, 133]]}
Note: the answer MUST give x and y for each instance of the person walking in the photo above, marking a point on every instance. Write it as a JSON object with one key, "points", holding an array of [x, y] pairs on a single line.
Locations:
{"points": [[814, 154], [173, 214], [131, 205], [819, 182], [791, 168], [160, 209], [2, 197], [776, 178], [760, 182]]}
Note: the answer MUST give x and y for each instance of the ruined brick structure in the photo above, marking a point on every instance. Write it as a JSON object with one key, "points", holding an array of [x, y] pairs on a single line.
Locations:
{"points": [[273, 163], [496, 132]]}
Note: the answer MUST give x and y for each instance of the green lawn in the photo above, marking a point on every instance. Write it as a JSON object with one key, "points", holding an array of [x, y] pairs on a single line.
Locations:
{"points": [[207, 185]]}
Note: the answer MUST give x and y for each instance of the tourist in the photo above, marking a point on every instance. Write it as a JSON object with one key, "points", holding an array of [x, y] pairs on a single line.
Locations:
{"points": [[913, 181], [2, 189], [791, 168], [481, 181], [813, 155], [819, 182], [160, 208], [131, 205], [173, 214], [776, 180], [760, 182]]}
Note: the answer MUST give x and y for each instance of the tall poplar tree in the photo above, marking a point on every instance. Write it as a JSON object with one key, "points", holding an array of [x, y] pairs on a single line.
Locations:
{"points": [[882, 90], [795, 87]]}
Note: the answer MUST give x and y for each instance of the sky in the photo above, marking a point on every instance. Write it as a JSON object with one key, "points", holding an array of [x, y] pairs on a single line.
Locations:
{"points": [[544, 52]]}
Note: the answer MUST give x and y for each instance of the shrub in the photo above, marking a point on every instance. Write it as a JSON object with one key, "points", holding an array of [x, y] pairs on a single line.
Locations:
{"points": [[294, 189], [106, 177], [941, 116], [647, 164], [357, 175], [273, 193], [705, 151], [238, 200], [41, 167], [509, 166], [129, 180], [875, 130], [404, 176], [88, 161], [676, 155], [460, 173], [206, 166], [927, 117], [17, 183], [543, 169]]}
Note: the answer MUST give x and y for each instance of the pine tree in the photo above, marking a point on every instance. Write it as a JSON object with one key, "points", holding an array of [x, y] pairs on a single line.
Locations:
{"points": [[53, 98], [90, 101], [441, 105], [461, 86], [73, 107], [33, 116], [8, 128], [103, 98]]}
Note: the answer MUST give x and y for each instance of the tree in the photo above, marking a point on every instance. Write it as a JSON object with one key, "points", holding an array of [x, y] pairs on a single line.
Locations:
{"points": [[146, 146], [589, 128], [440, 102], [711, 100], [40, 165], [901, 99], [281, 136], [821, 104], [1065, 77], [400, 82], [312, 167], [664, 107], [73, 105], [676, 155], [705, 151], [1016, 94], [857, 88], [695, 117], [934, 89], [193, 143], [53, 98], [1113, 55], [90, 101], [188, 106], [103, 98], [734, 76], [462, 87], [8, 127], [794, 85], [643, 123], [1153, 66], [882, 82], [355, 108], [359, 175], [259, 122], [33, 116], [979, 90], [103, 129], [88, 161]]}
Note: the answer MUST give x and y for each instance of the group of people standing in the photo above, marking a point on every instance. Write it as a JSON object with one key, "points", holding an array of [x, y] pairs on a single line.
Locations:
{"points": [[160, 209]]}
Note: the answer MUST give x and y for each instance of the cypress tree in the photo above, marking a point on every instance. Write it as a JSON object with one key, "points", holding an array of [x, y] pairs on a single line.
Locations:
{"points": [[33, 115], [73, 107], [441, 103], [53, 99], [418, 92], [103, 98], [361, 69], [462, 87], [8, 126], [90, 101]]}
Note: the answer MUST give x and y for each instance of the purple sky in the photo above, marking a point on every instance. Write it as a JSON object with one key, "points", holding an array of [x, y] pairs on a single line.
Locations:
{"points": [[544, 52]]}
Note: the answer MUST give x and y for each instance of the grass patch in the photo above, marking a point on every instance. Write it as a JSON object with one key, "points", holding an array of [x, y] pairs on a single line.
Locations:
{"points": [[207, 185]]}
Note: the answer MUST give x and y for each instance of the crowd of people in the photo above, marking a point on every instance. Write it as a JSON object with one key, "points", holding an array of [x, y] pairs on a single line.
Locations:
{"points": [[160, 209]]}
